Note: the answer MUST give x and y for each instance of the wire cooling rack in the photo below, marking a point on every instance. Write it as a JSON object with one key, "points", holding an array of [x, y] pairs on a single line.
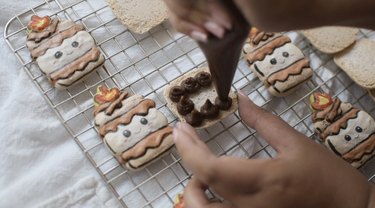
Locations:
{"points": [[145, 64]]}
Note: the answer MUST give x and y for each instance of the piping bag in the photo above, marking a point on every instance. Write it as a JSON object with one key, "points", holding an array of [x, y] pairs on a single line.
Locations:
{"points": [[223, 54]]}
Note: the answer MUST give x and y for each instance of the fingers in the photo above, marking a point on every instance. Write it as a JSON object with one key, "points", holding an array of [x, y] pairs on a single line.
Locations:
{"points": [[200, 18], [225, 175], [282, 137], [195, 197], [188, 28]]}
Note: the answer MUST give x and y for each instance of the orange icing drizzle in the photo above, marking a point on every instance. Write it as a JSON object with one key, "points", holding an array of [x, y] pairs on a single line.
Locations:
{"points": [[262, 52], [153, 140], [361, 150], [141, 109], [284, 74]]}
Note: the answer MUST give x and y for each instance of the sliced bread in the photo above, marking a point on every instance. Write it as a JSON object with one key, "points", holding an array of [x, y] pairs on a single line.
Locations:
{"points": [[331, 40], [139, 15], [358, 62]]}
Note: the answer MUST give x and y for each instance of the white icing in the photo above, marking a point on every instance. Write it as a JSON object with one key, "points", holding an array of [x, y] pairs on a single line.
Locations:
{"points": [[48, 63], [119, 143], [267, 68], [365, 121], [127, 104]]}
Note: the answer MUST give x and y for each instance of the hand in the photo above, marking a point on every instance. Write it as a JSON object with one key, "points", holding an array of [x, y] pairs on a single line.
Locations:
{"points": [[198, 18], [304, 174]]}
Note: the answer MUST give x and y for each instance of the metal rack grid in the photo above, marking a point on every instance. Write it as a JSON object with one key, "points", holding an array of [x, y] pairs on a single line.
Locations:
{"points": [[145, 64]]}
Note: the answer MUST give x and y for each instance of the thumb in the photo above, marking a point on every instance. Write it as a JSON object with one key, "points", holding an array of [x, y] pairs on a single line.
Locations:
{"points": [[281, 136]]}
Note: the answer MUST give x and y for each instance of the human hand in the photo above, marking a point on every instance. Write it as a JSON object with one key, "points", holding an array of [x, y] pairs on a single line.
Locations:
{"points": [[303, 174], [198, 18]]}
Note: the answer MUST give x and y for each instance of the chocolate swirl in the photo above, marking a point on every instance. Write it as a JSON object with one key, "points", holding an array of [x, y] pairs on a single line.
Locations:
{"points": [[190, 84], [176, 93], [203, 79], [209, 110], [185, 106], [223, 104], [195, 118]]}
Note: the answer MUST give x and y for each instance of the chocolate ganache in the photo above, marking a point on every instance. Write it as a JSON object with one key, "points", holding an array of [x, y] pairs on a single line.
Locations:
{"points": [[203, 79], [190, 85], [195, 118], [176, 93], [209, 110], [222, 54], [185, 106]]}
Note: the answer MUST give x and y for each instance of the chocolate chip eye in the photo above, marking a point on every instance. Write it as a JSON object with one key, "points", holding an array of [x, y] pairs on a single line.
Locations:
{"points": [[285, 54], [126, 133], [273, 61], [58, 54], [75, 44], [348, 138], [358, 129], [144, 121]]}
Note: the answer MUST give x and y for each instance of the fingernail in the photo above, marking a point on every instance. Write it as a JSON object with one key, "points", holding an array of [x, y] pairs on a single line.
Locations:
{"points": [[215, 29], [199, 36]]}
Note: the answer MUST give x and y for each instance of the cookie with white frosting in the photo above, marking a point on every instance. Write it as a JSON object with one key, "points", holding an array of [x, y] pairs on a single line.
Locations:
{"points": [[64, 51], [131, 127], [347, 131], [278, 63]]}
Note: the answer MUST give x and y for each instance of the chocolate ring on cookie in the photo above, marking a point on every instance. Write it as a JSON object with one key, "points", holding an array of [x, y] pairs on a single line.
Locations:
{"points": [[196, 105]]}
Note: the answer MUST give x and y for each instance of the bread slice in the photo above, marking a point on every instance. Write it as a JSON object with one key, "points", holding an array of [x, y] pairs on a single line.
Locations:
{"points": [[199, 98], [331, 40], [358, 62], [139, 15]]}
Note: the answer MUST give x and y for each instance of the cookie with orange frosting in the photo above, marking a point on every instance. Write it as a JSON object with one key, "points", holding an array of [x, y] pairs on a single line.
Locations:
{"points": [[278, 63], [131, 127], [347, 131], [64, 51]]}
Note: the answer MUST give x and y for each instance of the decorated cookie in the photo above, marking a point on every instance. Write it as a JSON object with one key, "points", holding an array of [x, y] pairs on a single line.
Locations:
{"points": [[62, 49], [131, 127], [278, 63], [348, 131], [193, 99]]}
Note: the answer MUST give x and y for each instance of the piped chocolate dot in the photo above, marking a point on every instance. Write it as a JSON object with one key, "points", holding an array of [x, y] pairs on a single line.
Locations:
{"points": [[75, 44], [358, 129], [185, 106], [273, 61], [144, 121], [286, 54], [223, 104], [176, 93], [190, 85], [348, 138], [58, 54], [126, 133]]}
